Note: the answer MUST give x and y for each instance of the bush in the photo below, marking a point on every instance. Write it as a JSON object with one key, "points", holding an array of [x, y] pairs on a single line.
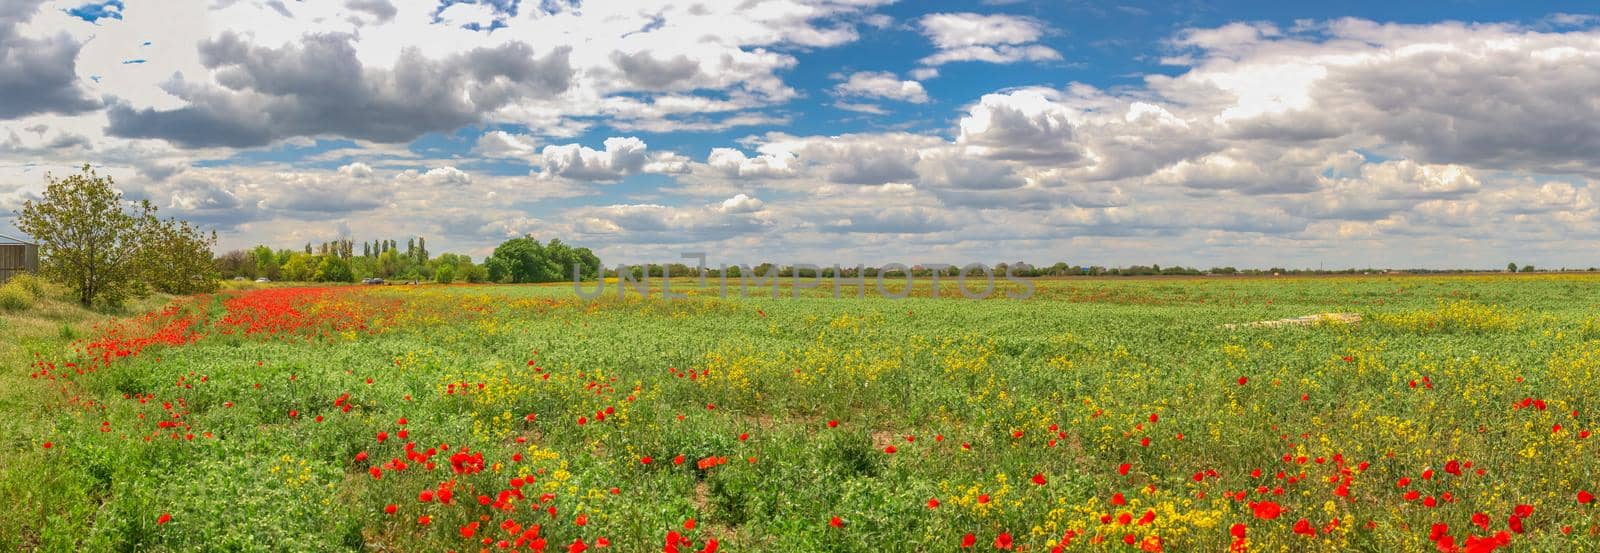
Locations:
{"points": [[32, 284], [15, 298]]}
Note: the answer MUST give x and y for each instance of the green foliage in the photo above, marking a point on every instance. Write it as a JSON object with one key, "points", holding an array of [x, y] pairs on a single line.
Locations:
{"points": [[333, 269], [14, 297], [175, 257], [34, 285], [300, 267], [87, 240], [266, 262], [100, 249], [526, 260]]}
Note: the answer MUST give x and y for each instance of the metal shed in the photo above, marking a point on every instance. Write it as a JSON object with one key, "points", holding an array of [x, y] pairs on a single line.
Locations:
{"points": [[17, 256]]}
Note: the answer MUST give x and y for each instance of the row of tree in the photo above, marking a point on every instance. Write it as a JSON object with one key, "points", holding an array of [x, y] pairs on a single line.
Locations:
{"points": [[521, 259], [332, 263], [105, 250]]}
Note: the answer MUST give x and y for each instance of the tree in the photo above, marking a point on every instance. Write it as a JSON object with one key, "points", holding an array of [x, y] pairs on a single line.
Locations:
{"points": [[299, 267], [175, 256], [1527, 268], [526, 260], [473, 273], [266, 262], [1511, 267], [496, 269], [333, 269], [86, 241], [388, 264], [236, 263]]}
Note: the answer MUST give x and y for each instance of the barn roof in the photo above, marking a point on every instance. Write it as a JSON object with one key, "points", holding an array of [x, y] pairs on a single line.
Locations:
{"points": [[4, 239]]}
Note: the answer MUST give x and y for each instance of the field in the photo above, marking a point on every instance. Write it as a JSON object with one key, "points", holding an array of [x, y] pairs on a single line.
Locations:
{"points": [[1100, 414]]}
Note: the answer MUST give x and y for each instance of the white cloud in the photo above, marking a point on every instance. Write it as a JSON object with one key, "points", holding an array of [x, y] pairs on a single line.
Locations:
{"points": [[987, 38], [954, 30], [879, 84], [741, 204], [621, 157], [501, 144], [735, 163]]}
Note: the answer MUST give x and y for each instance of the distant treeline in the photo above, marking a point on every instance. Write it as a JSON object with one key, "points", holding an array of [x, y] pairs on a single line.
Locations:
{"points": [[516, 260]]}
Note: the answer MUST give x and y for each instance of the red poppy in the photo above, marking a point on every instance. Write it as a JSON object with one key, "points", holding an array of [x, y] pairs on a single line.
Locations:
{"points": [[163, 518], [1266, 510], [836, 522], [1002, 541], [1585, 497], [933, 503], [1038, 479], [1303, 527], [969, 540]]}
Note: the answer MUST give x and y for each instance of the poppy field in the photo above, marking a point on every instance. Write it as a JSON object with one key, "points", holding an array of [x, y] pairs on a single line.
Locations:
{"points": [[1100, 414]]}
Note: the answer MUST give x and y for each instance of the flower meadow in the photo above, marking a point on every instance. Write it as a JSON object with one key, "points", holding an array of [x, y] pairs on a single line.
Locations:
{"points": [[1118, 415]]}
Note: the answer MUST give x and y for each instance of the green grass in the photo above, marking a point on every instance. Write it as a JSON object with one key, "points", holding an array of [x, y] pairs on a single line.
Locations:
{"points": [[1093, 358]]}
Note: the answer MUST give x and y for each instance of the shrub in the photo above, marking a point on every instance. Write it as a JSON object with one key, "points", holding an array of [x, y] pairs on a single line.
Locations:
{"points": [[15, 298], [32, 284]]}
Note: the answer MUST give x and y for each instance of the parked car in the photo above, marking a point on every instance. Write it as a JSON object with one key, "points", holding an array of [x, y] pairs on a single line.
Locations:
{"points": [[263, 279], [372, 280]]}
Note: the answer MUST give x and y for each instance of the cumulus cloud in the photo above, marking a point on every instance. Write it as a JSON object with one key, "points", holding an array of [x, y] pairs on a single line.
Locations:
{"points": [[1021, 125], [880, 84], [653, 223], [622, 156], [320, 87], [735, 163], [38, 74], [987, 38], [741, 204], [501, 144]]}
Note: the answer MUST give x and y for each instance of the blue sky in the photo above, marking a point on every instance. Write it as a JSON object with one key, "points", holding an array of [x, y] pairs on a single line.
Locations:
{"points": [[1200, 133]]}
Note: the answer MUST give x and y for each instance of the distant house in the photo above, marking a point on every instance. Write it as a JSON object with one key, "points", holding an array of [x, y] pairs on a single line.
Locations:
{"points": [[17, 256]]}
